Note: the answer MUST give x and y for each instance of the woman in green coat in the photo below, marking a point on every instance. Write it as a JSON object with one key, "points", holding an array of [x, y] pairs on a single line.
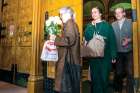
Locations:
{"points": [[100, 67]]}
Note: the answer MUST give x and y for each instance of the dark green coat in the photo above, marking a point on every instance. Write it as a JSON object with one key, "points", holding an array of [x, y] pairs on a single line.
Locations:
{"points": [[100, 67]]}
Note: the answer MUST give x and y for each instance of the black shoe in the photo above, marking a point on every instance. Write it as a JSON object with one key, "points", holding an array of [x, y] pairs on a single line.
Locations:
{"points": [[56, 92]]}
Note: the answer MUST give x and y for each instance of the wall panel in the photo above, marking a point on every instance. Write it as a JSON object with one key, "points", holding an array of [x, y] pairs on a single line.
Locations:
{"points": [[16, 47], [23, 59], [7, 57]]}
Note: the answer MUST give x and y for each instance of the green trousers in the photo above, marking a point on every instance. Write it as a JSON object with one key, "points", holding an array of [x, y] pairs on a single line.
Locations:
{"points": [[100, 76]]}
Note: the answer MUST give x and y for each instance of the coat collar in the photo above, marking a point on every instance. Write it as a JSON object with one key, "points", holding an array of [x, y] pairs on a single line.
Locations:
{"points": [[117, 23], [69, 21]]}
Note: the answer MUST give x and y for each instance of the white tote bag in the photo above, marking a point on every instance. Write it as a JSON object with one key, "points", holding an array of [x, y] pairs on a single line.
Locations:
{"points": [[49, 52]]}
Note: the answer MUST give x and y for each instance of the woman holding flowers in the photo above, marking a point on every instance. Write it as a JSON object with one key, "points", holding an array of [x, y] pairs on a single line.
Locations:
{"points": [[69, 39]]}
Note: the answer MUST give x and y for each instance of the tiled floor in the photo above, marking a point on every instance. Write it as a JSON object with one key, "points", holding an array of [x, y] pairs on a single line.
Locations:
{"points": [[10, 88]]}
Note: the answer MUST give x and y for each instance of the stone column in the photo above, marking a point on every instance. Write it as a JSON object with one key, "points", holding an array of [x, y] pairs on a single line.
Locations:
{"points": [[35, 81], [135, 42]]}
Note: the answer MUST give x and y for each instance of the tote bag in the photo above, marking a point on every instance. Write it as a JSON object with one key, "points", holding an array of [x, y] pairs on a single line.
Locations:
{"points": [[95, 47], [49, 51]]}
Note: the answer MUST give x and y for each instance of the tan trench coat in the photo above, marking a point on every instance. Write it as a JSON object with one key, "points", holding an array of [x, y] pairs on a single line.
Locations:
{"points": [[70, 31]]}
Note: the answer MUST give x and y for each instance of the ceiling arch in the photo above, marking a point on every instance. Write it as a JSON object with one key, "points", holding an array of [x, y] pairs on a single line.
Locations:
{"points": [[113, 2]]}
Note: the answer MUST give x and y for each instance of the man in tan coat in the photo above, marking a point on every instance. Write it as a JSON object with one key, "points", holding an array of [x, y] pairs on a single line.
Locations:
{"points": [[70, 38]]}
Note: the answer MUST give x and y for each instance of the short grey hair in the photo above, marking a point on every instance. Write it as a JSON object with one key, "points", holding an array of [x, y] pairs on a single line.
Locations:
{"points": [[120, 7], [67, 10]]}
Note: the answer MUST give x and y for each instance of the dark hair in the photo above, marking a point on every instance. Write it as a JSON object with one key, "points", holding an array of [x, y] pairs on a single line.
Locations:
{"points": [[100, 9]]}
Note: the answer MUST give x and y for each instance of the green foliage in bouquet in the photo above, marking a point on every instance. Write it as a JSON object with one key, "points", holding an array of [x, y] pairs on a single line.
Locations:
{"points": [[53, 25], [53, 29]]}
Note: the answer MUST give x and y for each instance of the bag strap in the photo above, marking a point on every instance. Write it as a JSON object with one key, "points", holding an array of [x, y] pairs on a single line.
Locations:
{"points": [[95, 31]]}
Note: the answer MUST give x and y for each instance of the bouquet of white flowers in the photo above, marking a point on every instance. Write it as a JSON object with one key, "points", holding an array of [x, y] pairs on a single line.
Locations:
{"points": [[53, 25], [52, 28]]}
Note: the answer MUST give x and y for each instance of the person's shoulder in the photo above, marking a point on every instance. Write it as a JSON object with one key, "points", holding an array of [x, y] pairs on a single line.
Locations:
{"points": [[88, 25], [114, 23], [70, 22], [106, 23], [129, 20], [108, 26]]}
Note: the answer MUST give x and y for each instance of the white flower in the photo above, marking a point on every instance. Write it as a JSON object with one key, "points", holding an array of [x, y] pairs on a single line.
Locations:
{"points": [[48, 22], [57, 20], [53, 25], [51, 18], [54, 20]]}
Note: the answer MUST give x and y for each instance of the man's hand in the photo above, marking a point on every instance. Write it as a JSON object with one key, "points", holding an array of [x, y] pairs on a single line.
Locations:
{"points": [[126, 41]]}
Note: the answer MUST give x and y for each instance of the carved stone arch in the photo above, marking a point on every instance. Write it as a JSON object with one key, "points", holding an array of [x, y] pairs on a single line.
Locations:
{"points": [[112, 2]]}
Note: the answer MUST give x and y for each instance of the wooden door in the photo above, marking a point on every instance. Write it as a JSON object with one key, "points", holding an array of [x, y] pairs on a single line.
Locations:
{"points": [[16, 40]]}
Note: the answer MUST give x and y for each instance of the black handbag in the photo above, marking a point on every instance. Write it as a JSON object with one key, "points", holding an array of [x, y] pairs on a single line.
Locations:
{"points": [[71, 75]]}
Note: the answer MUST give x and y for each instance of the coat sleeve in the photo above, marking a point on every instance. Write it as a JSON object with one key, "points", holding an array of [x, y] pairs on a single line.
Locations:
{"points": [[69, 38], [113, 44], [88, 34]]}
